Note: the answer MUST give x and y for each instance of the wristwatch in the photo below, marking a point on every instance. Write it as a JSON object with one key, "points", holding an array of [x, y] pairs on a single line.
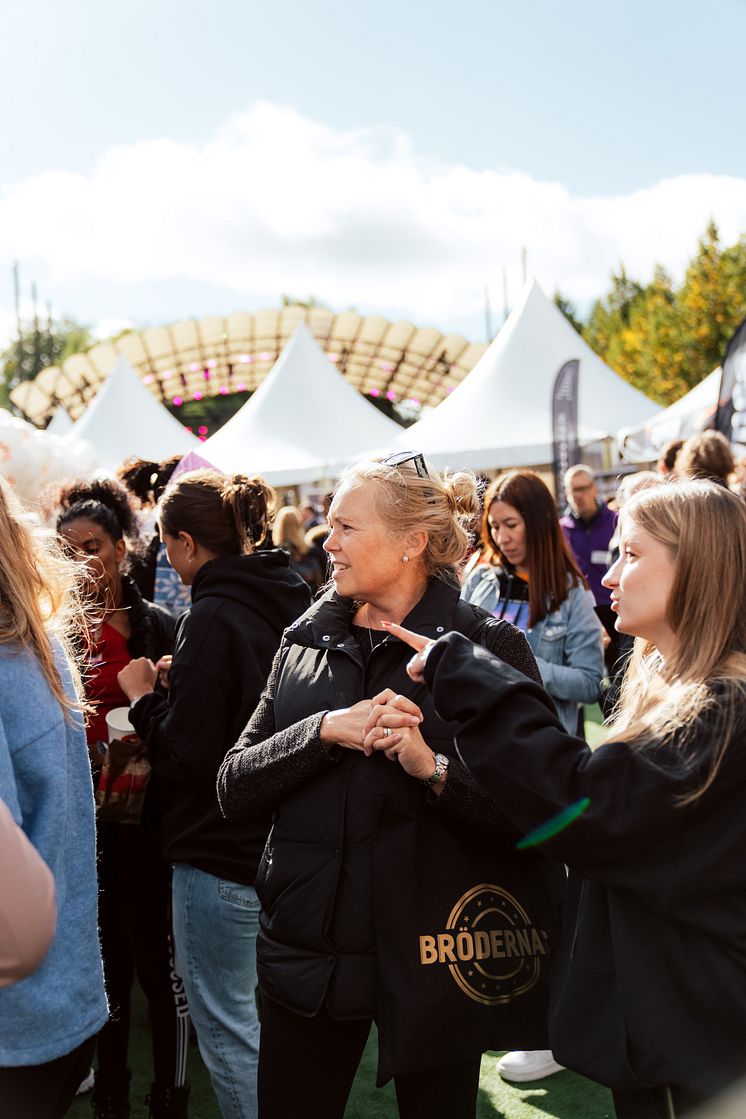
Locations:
{"points": [[441, 768]]}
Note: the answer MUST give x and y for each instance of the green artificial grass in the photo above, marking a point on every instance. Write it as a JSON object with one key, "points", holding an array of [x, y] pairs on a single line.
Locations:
{"points": [[563, 1096]]}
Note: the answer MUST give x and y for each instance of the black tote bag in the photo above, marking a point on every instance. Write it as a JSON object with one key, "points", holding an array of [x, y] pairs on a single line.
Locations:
{"points": [[466, 932]]}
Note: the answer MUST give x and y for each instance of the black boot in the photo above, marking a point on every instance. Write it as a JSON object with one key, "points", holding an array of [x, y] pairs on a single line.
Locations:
{"points": [[168, 1103], [111, 1095]]}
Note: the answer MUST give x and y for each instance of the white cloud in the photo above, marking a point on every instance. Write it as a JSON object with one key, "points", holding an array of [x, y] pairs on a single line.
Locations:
{"points": [[276, 202], [107, 328]]}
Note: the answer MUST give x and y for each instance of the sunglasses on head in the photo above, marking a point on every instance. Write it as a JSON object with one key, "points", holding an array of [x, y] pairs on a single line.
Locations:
{"points": [[415, 457]]}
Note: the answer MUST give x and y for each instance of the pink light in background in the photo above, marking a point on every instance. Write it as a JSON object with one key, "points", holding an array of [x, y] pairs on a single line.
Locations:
{"points": [[390, 395], [245, 359], [266, 356], [201, 438], [207, 374], [211, 363], [375, 392], [147, 379], [202, 429], [197, 395], [167, 374], [333, 357], [387, 366], [450, 388], [223, 390], [194, 367], [177, 401], [241, 387]]}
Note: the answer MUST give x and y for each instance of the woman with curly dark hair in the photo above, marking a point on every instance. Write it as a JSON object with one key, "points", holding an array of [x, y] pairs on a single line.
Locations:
{"points": [[98, 522]]}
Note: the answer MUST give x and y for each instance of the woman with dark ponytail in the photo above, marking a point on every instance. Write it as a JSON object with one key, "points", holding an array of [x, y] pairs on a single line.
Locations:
{"points": [[243, 597], [97, 520]]}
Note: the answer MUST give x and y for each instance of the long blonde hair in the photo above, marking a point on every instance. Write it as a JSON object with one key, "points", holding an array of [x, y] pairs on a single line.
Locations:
{"points": [[287, 530], [40, 593], [703, 526]]}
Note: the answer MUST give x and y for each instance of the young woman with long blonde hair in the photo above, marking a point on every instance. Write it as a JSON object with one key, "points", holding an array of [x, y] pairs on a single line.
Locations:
{"points": [[48, 1021], [650, 988]]}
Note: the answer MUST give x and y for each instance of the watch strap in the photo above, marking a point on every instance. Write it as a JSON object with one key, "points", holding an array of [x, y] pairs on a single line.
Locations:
{"points": [[441, 768]]}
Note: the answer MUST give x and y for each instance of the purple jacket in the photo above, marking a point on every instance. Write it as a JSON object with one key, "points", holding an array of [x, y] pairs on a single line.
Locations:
{"points": [[589, 541]]}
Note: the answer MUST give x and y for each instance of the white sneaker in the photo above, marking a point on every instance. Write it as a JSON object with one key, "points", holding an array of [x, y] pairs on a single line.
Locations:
{"points": [[532, 1065], [87, 1084]]}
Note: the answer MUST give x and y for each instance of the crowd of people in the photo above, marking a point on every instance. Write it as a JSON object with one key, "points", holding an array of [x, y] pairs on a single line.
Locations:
{"points": [[247, 792]]}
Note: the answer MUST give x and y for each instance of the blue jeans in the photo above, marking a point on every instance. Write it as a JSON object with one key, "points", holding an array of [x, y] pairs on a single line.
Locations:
{"points": [[215, 925]]}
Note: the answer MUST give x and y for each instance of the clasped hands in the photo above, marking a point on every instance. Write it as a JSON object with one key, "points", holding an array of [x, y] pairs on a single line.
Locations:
{"points": [[388, 722]]}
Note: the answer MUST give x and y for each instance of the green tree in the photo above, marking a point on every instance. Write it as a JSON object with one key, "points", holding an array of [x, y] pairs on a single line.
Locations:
{"points": [[665, 340], [40, 345], [710, 304], [569, 310]]}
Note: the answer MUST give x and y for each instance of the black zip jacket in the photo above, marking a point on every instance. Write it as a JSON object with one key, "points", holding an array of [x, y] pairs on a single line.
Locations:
{"points": [[152, 627], [650, 984], [224, 649], [336, 810]]}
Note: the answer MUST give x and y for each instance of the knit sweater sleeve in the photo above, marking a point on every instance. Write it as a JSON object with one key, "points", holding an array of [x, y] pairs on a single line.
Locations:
{"points": [[266, 764]]}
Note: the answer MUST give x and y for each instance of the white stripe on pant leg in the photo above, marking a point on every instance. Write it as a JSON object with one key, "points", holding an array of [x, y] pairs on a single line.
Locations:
{"points": [[182, 1021]]}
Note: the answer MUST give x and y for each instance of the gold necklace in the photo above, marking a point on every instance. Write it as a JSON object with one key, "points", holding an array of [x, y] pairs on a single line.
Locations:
{"points": [[370, 630]]}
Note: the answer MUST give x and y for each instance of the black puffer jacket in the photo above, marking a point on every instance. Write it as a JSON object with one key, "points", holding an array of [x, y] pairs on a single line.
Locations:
{"points": [[317, 881]]}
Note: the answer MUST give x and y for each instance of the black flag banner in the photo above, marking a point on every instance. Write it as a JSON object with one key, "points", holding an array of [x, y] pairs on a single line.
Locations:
{"points": [[565, 423], [731, 414]]}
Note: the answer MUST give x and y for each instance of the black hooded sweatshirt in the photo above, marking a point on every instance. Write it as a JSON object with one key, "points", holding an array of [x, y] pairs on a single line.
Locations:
{"points": [[225, 645]]}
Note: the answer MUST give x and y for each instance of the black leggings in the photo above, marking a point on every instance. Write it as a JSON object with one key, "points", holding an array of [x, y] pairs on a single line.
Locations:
{"points": [[135, 924], [324, 1054], [44, 1091]]}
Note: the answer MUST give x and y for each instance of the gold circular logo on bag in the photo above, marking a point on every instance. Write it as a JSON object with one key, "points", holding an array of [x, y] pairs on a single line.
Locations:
{"points": [[492, 949]]}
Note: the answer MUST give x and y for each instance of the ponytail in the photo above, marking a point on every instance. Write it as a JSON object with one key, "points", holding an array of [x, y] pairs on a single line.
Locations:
{"points": [[228, 516]]}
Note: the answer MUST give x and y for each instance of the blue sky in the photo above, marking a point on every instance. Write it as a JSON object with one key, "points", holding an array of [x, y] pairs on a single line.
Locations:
{"points": [[162, 160]]}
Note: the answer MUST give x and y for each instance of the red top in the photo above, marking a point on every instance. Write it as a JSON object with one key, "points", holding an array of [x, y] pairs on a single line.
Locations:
{"points": [[107, 657]]}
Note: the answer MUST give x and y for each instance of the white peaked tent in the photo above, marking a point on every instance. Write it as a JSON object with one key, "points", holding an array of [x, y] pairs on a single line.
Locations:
{"points": [[304, 423], [501, 413], [124, 419], [689, 414], [60, 423]]}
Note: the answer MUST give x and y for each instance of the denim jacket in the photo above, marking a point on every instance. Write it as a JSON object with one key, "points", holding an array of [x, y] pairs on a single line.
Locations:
{"points": [[567, 643]]}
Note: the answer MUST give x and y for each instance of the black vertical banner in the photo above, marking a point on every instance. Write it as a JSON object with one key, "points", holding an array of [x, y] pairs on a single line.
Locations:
{"points": [[565, 423], [730, 418]]}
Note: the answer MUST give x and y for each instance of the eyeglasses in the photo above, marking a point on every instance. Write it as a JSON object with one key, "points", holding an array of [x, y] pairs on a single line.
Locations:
{"points": [[415, 457], [576, 491]]}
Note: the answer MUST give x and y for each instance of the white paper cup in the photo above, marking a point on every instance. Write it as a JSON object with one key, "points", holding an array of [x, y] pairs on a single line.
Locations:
{"points": [[118, 723]]}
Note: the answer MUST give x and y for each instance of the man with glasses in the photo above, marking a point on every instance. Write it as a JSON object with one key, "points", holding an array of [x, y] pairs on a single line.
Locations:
{"points": [[588, 525]]}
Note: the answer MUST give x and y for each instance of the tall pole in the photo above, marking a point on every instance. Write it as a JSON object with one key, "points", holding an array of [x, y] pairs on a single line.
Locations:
{"points": [[524, 264], [17, 293], [37, 338], [505, 294], [487, 315], [19, 324]]}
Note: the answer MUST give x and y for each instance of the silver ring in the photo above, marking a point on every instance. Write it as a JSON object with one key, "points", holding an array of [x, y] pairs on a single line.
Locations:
{"points": [[386, 732]]}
